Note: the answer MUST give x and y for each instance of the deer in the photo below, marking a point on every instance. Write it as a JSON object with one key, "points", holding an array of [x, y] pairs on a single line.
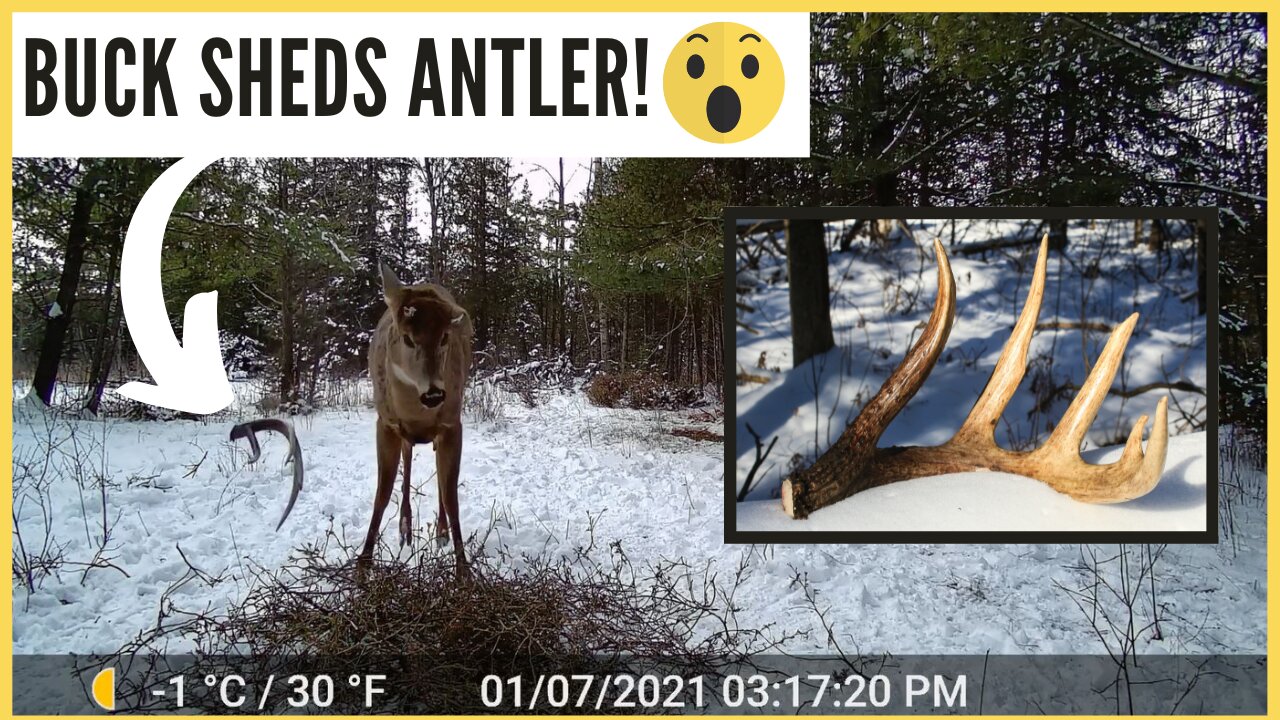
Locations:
{"points": [[419, 361], [855, 463]]}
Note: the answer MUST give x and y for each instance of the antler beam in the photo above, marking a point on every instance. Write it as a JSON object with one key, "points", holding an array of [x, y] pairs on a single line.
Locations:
{"points": [[855, 464]]}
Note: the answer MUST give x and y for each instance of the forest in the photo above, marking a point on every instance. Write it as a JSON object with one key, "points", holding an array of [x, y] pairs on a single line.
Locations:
{"points": [[616, 264], [292, 246]]}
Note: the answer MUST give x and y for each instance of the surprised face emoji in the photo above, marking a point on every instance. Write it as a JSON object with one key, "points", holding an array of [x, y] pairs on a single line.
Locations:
{"points": [[723, 82]]}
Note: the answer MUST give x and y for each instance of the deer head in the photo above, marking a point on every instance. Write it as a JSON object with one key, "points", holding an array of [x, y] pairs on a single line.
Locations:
{"points": [[423, 320], [854, 463]]}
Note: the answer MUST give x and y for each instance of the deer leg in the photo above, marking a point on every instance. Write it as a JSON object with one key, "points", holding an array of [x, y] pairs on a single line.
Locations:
{"points": [[388, 460], [442, 516], [406, 510], [448, 463]]}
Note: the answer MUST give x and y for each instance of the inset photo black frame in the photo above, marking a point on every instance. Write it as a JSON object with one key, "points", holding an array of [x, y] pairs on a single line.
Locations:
{"points": [[734, 216]]}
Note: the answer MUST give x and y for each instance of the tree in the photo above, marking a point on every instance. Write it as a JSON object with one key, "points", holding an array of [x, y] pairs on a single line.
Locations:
{"points": [[650, 254], [810, 290], [61, 312]]}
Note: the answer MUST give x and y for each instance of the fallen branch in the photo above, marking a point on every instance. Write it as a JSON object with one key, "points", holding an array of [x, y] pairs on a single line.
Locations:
{"points": [[1074, 325], [700, 434], [998, 244], [1184, 385], [1065, 390]]}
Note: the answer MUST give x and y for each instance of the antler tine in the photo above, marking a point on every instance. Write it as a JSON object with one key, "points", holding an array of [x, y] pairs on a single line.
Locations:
{"points": [[1141, 482], [907, 379], [1132, 476], [828, 479], [1069, 433], [1058, 462], [980, 427]]}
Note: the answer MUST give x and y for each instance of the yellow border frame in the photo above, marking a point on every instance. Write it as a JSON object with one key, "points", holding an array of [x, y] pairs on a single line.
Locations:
{"points": [[739, 6]]}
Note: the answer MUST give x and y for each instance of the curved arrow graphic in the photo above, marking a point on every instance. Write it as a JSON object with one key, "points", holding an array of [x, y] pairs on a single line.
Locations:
{"points": [[188, 377]]}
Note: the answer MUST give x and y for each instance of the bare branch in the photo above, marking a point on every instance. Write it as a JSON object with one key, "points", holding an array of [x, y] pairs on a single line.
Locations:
{"points": [[1173, 65], [760, 458]]}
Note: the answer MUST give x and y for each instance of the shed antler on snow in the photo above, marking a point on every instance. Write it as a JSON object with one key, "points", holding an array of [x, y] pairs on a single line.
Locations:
{"points": [[855, 464], [249, 431]]}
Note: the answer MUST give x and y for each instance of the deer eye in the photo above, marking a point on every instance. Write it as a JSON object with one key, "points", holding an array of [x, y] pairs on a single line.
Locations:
{"points": [[407, 340]]}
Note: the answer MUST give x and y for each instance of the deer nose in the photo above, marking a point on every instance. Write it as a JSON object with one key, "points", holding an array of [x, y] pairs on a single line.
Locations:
{"points": [[432, 398]]}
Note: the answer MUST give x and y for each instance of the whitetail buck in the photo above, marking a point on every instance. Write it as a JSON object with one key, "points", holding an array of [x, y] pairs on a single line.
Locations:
{"points": [[854, 463], [419, 359]]}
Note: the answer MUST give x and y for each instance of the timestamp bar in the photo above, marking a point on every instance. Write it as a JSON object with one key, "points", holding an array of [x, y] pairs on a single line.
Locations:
{"points": [[756, 691]]}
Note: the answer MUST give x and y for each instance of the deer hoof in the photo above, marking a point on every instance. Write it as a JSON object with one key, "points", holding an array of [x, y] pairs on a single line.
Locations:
{"points": [[406, 530]]}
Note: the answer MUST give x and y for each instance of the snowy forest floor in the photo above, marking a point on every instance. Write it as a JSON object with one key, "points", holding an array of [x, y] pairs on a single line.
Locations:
{"points": [[552, 480]]}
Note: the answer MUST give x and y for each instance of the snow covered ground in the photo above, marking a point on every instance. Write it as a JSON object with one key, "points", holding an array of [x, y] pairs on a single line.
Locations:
{"points": [[880, 300], [537, 481], [531, 480]]}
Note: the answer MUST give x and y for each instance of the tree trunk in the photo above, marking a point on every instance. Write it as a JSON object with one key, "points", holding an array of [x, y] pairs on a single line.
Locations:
{"points": [[884, 186], [810, 291], [104, 373], [1155, 238], [557, 314], [109, 335], [1058, 235], [622, 341], [55, 333], [289, 390], [1202, 258], [604, 336]]}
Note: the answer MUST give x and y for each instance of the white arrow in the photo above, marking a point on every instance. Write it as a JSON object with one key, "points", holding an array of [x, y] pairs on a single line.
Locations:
{"points": [[188, 377]]}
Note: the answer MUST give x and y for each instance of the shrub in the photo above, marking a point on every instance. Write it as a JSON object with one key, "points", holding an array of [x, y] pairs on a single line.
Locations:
{"points": [[436, 637], [484, 401], [606, 390], [641, 390]]}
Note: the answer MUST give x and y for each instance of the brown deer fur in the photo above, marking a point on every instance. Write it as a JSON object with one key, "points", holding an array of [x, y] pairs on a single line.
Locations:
{"points": [[419, 359]]}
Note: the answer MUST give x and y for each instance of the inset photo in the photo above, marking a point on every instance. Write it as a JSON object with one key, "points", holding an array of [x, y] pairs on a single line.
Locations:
{"points": [[971, 375]]}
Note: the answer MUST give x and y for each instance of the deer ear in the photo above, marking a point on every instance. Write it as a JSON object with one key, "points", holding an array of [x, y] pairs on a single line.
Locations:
{"points": [[391, 285]]}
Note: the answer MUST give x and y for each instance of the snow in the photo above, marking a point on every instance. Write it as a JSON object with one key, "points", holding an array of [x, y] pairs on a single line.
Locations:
{"points": [[536, 481], [530, 481], [880, 299]]}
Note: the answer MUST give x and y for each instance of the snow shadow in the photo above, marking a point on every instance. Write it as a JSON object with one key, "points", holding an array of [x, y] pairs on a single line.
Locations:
{"points": [[1181, 488]]}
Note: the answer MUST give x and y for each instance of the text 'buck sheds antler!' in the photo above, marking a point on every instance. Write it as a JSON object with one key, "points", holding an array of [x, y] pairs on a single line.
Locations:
{"points": [[855, 464]]}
